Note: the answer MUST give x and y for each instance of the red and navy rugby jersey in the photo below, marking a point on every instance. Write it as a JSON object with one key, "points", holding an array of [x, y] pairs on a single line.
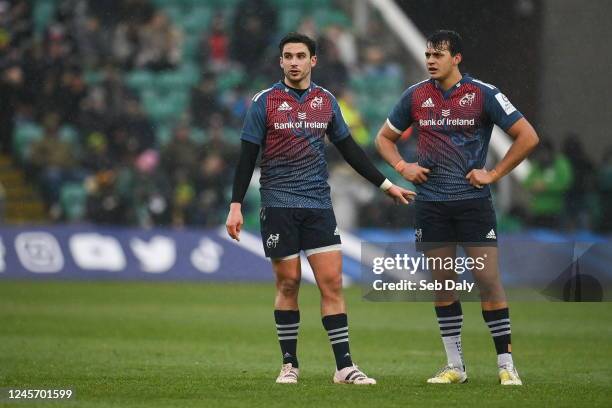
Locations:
{"points": [[291, 130], [454, 130]]}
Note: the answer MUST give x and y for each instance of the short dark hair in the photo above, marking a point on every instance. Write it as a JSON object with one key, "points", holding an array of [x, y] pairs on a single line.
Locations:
{"points": [[294, 37], [450, 38]]}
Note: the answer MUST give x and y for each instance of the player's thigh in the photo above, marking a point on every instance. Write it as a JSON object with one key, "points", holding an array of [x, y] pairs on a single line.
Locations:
{"points": [[319, 231], [327, 269], [476, 222], [279, 232], [433, 226]]}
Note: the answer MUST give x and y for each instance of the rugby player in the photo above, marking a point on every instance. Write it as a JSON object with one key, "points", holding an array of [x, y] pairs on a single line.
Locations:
{"points": [[454, 115], [288, 122]]}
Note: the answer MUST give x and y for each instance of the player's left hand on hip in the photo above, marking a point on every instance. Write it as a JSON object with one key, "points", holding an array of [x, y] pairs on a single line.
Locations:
{"points": [[401, 195], [480, 177]]}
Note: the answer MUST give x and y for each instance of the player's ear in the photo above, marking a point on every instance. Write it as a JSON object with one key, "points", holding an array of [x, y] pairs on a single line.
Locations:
{"points": [[457, 58], [280, 61], [313, 60]]}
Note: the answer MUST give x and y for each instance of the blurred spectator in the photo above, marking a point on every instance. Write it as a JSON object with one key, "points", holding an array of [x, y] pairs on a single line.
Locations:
{"points": [[604, 187], [96, 157], [345, 44], [183, 200], [204, 100], [211, 183], [53, 160], [11, 81], [181, 155], [160, 44], [16, 22], [376, 65], [352, 117], [139, 12], [331, 73], [134, 131], [578, 200], [254, 28], [145, 191], [549, 179], [217, 142], [104, 204], [126, 44], [71, 92], [308, 26], [215, 45], [93, 41]]}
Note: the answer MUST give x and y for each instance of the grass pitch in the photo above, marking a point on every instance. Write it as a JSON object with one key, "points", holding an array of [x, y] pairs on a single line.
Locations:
{"points": [[214, 345]]}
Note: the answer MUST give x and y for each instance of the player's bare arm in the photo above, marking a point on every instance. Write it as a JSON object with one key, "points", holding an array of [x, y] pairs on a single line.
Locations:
{"points": [[386, 140], [525, 140]]}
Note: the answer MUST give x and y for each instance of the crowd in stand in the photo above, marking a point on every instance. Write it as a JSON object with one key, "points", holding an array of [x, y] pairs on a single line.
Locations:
{"points": [[99, 146]]}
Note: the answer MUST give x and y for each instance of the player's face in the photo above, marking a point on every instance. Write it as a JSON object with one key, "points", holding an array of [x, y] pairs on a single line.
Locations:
{"points": [[440, 63], [297, 64]]}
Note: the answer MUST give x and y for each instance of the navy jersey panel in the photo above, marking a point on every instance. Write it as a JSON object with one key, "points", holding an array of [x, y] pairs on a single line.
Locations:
{"points": [[454, 130], [291, 130]]}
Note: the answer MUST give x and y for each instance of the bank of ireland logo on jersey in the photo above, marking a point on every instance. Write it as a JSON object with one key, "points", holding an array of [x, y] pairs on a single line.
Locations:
{"points": [[446, 112], [301, 115], [317, 103], [272, 240], [467, 99], [418, 235]]}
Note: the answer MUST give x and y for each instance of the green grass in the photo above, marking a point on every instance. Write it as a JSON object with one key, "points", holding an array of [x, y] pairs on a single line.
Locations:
{"points": [[188, 345]]}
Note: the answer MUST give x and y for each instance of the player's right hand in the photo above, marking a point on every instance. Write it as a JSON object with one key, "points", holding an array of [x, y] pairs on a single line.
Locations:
{"points": [[234, 221], [415, 173]]}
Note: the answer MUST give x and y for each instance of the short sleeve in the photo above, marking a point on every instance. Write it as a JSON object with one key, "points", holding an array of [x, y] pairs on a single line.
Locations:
{"points": [[337, 129], [254, 128], [400, 117], [500, 110]]}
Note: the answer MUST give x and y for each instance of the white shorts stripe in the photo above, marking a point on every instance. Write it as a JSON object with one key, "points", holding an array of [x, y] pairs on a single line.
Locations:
{"points": [[286, 258], [329, 248]]}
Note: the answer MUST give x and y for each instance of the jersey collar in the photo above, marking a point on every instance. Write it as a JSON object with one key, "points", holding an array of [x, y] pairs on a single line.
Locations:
{"points": [[281, 85], [465, 78]]}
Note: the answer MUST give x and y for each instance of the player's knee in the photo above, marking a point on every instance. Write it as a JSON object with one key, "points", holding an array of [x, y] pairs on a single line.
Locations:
{"points": [[331, 287], [289, 287]]}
